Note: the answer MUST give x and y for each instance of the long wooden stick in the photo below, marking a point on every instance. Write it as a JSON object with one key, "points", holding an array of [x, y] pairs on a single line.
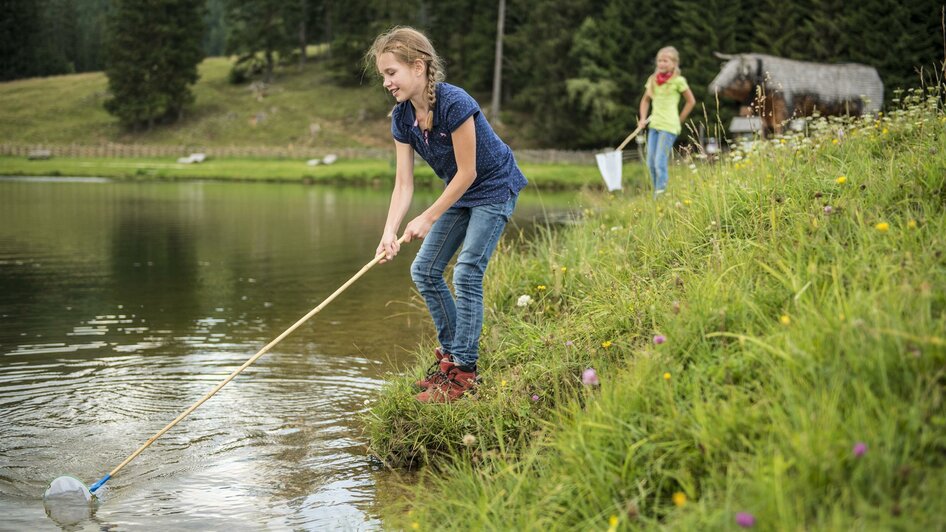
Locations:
{"points": [[245, 365], [633, 134]]}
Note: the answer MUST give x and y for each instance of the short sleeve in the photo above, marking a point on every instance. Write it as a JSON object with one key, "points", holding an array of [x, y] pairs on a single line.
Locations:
{"points": [[397, 125], [458, 106], [682, 85]]}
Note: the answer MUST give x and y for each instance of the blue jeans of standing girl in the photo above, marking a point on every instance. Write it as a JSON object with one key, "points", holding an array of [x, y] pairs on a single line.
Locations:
{"points": [[659, 144], [459, 320]]}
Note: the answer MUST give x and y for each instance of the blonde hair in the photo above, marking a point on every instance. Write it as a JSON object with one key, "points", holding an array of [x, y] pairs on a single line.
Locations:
{"points": [[408, 45], [674, 56]]}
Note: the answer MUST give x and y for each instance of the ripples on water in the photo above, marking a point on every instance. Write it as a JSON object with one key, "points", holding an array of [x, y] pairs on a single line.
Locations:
{"points": [[122, 304]]}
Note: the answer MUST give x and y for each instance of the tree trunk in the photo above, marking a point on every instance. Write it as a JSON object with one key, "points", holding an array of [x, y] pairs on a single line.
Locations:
{"points": [[498, 66], [302, 39]]}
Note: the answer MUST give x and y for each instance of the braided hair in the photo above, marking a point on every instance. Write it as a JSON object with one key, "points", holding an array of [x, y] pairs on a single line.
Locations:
{"points": [[408, 45]]}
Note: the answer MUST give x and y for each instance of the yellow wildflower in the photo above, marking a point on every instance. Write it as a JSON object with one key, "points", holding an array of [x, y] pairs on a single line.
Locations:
{"points": [[785, 320], [679, 498], [841, 180], [687, 202], [883, 227], [911, 224], [606, 344], [415, 525], [540, 287], [667, 376], [613, 523], [564, 269]]}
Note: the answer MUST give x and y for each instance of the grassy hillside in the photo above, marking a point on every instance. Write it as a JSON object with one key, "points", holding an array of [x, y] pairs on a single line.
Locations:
{"points": [[68, 109], [770, 341]]}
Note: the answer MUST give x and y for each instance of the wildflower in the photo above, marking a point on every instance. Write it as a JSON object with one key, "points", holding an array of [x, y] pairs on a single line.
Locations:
{"points": [[523, 301], [540, 288], [564, 269], [415, 525], [834, 141], [911, 224], [659, 339], [679, 498], [613, 522], [667, 376], [687, 202], [745, 519], [860, 449], [589, 377], [883, 227], [841, 180], [606, 344], [785, 320], [884, 131], [569, 343], [502, 382], [469, 440], [535, 397], [828, 209]]}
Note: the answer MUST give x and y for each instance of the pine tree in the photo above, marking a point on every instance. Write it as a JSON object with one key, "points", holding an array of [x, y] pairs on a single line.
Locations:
{"points": [[266, 26], [153, 53], [19, 25]]}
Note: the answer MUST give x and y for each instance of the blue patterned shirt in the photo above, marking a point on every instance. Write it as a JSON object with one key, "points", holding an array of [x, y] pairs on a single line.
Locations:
{"points": [[498, 177]]}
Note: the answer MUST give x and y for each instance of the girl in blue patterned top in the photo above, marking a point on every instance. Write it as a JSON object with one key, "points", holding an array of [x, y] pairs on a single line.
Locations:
{"points": [[444, 125]]}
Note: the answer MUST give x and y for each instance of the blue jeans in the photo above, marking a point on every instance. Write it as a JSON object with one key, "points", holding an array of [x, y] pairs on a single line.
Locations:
{"points": [[659, 144], [459, 321]]}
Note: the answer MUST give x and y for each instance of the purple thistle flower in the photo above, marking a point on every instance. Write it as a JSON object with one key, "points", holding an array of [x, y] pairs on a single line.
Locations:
{"points": [[659, 339], [860, 449], [745, 519], [589, 377], [535, 397]]}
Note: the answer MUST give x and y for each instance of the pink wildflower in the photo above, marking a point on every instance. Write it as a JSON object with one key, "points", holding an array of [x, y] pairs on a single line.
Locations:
{"points": [[860, 449], [659, 339], [745, 519], [535, 397], [589, 377]]}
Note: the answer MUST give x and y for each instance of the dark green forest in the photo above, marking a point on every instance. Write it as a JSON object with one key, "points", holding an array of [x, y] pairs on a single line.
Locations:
{"points": [[573, 70]]}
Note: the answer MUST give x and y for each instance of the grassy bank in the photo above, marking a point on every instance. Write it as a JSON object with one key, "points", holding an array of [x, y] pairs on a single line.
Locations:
{"points": [[69, 109], [770, 340], [360, 172]]}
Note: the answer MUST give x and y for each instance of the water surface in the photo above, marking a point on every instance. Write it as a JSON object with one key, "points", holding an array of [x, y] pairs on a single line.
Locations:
{"points": [[121, 304]]}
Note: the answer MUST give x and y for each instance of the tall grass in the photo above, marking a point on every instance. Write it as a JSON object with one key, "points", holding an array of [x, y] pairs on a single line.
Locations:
{"points": [[800, 288]]}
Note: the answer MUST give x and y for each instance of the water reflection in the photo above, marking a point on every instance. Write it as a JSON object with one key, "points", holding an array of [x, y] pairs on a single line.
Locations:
{"points": [[121, 304]]}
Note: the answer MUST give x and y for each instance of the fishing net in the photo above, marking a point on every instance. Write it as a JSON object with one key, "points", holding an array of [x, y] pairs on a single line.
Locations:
{"points": [[68, 489], [67, 501]]}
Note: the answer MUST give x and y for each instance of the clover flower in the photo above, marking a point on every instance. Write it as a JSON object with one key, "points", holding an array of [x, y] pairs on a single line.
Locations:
{"points": [[535, 397], [589, 377], [469, 440], [828, 209], [860, 449], [524, 300], [745, 520], [659, 339]]}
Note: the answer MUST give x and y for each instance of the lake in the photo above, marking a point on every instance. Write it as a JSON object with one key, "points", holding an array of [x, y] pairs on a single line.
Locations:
{"points": [[122, 303]]}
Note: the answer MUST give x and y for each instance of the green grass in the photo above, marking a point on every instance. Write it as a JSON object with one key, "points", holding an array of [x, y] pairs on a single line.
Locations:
{"points": [[69, 109], [346, 171], [792, 334]]}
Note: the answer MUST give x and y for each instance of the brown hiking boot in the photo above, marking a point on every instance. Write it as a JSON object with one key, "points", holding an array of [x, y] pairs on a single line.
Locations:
{"points": [[452, 384], [433, 372]]}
